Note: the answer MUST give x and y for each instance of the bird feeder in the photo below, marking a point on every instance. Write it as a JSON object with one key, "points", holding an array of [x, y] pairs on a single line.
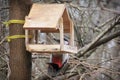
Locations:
{"points": [[49, 18]]}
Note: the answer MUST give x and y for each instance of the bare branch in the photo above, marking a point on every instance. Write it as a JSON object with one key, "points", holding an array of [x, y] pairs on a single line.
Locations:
{"points": [[108, 21], [2, 40], [106, 39], [110, 10], [83, 8], [94, 42]]}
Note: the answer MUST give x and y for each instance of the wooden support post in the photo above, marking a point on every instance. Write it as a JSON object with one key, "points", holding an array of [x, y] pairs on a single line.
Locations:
{"points": [[26, 37], [36, 36], [39, 32], [71, 34], [34, 41], [61, 34]]}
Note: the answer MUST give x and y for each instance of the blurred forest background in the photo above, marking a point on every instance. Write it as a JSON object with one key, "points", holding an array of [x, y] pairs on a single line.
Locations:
{"points": [[97, 36]]}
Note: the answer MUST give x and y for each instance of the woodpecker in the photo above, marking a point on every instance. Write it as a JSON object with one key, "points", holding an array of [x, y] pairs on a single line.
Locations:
{"points": [[57, 61]]}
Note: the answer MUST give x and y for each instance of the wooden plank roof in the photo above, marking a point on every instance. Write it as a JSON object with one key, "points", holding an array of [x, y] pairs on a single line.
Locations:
{"points": [[46, 17]]}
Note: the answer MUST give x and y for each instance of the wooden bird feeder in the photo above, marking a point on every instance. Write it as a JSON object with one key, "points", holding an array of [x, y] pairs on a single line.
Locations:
{"points": [[49, 18]]}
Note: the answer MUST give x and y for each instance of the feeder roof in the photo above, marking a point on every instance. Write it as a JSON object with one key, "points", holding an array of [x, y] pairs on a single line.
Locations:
{"points": [[46, 17]]}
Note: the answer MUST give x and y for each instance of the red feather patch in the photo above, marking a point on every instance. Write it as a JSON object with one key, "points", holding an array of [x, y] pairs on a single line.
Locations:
{"points": [[57, 60]]}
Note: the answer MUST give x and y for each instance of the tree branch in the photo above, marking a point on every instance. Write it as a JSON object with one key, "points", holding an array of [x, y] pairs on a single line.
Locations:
{"points": [[95, 41], [106, 39], [110, 10]]}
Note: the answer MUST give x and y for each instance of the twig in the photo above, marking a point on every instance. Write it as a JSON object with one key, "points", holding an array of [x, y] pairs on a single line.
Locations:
{"points": [[81, 78], [93, 28], [7, 7], [108, 70], [106, 60], [110, 10], [74, 68], [109, 76], [45, 73], [108, 21], [9, 70], [3, 55], [83, 8], [2, 40]]}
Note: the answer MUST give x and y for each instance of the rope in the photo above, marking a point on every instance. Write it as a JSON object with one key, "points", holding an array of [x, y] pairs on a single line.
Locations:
{"points": [[7, 23], [9, 38]]}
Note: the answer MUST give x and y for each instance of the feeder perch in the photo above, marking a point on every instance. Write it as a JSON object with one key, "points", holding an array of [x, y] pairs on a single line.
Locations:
{"points": [[49, 18]]}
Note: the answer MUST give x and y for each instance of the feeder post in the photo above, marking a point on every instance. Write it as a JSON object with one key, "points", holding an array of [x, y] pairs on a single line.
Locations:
{"points": [[71, 34], [36, 36], [26, 37], [61, 34]]}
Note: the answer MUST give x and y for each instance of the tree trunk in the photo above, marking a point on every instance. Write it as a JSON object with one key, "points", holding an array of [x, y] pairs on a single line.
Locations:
{"points": [[20, 59]]}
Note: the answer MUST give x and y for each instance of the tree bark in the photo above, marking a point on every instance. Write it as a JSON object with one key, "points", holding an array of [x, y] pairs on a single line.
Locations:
{"points": [[20, 59]]}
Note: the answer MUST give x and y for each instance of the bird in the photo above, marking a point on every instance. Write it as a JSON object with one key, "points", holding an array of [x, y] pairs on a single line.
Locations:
{"points": [[55, 65], [55, 69], [66, 41], [57, 61]]}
